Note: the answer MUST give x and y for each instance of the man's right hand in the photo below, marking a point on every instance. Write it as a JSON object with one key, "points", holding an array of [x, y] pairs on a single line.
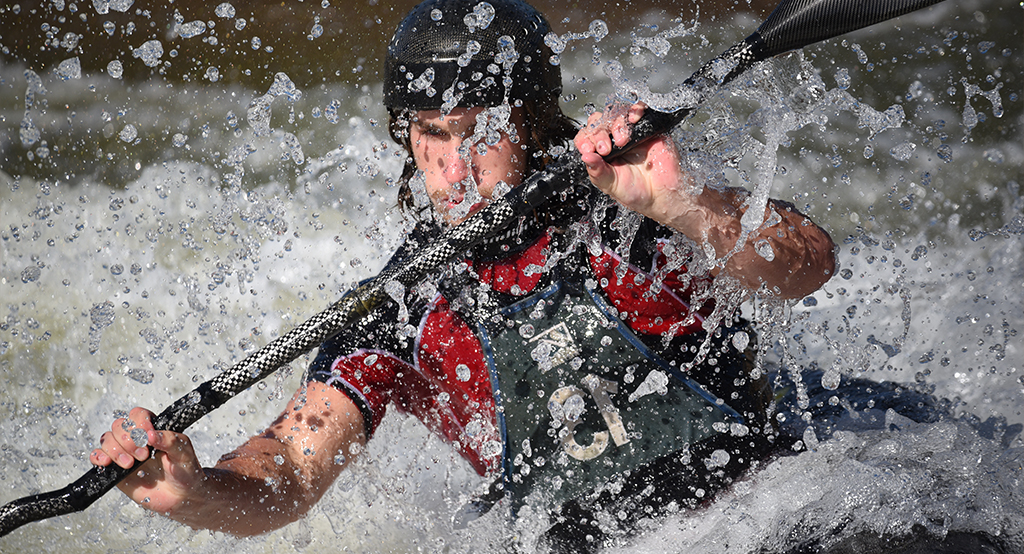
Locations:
{"points": [[163, 482]]}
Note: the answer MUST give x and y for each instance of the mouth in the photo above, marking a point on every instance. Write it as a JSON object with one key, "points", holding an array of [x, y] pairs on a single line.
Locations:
{"points": [[457, 202], [456, 208]]}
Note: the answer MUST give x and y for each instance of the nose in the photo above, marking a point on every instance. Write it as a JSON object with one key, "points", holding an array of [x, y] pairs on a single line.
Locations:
{"points": [[456, 169]]}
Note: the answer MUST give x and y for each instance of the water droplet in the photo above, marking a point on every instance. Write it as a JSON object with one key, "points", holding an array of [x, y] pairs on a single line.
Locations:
{"points": [[764, 249], [542, 355], [143, 376], [481, 17], [279, 459], [655, 382], [103, 7], [491, 449], [436, 14], [115, 69], [331, 112], [422, 82], [526, 331], [843, 79], [740, 339], [717, 459], [191, 29], [69, 69], [30, 274], [128, 134], [830, 380], [102, 314], [139, 437], [225, 10], [462, 372], [150, 52], [573, 408], [903, 152], [474, 428]]}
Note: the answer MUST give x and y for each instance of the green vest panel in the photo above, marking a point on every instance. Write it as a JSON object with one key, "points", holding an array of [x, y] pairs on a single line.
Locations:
{"points": [[581, 399]]}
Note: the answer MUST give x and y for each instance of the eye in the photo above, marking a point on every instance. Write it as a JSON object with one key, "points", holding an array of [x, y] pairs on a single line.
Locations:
{"points": [[435, 132]]}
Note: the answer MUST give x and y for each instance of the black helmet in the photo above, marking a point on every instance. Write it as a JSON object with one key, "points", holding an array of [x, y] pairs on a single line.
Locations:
{"points": [[469, 53]]}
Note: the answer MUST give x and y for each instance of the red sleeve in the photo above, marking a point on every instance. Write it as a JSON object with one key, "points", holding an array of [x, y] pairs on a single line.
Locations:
{"points": [[646, 308], [369, 378]]}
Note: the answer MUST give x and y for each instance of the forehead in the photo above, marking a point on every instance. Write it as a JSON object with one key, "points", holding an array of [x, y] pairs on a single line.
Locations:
{"points": [[455, 118], [459, 118]]}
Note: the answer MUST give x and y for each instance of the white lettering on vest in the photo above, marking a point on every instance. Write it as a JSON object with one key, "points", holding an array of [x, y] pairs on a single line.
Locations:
{"points": [[566, 410]]}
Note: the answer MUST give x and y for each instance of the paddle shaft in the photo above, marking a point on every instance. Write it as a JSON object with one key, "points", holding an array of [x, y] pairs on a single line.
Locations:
{"points": [[793, 24]]}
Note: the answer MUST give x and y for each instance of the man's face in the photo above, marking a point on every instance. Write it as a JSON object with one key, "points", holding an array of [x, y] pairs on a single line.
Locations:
{"points": [[463, 163]]}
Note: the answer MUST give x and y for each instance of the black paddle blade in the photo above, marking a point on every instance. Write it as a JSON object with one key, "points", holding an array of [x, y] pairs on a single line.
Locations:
{"points": [[797, 23], [793, 24], [73, 498]]}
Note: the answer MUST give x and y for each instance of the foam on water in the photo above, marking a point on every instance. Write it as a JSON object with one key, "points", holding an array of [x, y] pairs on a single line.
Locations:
{"points": [[878, 480]]}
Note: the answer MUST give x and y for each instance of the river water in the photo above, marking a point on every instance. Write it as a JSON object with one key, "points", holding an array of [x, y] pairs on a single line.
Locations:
{"points": [[156, 230]]}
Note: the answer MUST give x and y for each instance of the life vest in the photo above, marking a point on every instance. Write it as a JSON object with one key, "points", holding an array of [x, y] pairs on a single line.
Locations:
{"points": [[580, 398]]}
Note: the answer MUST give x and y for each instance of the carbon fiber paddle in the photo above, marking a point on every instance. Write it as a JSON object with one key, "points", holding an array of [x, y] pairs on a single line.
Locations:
{"points": [[793, 24]]}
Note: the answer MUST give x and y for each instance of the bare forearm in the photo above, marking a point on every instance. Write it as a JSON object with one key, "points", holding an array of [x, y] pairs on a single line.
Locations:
{"points": [[247, 493], [241, 505], [276, 477], [789, 255]]}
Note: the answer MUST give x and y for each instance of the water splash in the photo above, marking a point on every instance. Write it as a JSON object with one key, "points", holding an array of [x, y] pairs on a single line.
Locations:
{"points": [[150, 52], [103, 7], [70, 68], [259, 110], [414, 479], [480, 18], [28, 133], [100, 316], [191, 29]]}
